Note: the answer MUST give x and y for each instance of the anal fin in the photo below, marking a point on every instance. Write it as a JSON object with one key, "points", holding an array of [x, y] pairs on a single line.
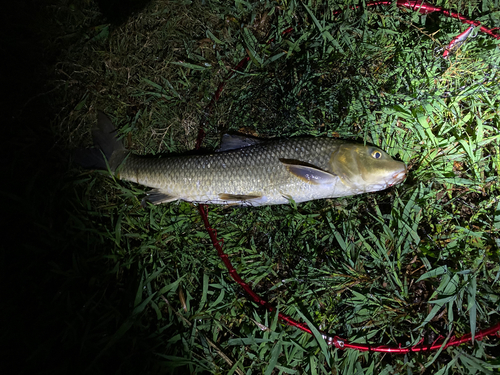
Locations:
{"points": [[157, 196], [239, 197]]}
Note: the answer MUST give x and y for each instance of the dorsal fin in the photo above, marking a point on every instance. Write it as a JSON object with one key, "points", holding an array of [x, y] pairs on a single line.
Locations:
{"points": [[237, 141]]}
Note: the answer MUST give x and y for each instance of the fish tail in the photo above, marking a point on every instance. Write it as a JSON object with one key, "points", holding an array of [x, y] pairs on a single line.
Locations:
{"points": [[108, 149]]}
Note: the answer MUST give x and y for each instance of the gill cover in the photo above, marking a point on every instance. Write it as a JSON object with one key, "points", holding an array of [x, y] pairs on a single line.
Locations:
{"points": [[360, 167]]}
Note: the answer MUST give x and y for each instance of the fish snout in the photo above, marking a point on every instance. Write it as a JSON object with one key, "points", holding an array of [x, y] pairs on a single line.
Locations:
{"points": [[398, 177]]}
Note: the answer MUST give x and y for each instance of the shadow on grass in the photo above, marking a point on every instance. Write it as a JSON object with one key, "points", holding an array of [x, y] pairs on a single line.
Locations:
{"points": [[57, 284]]}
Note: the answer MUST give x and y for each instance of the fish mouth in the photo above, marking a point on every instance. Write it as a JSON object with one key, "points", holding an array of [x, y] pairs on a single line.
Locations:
{"points": [[398, 177]]}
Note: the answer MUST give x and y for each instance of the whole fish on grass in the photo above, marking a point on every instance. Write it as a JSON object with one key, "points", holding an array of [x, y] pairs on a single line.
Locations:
{"points": [[252, 173]]}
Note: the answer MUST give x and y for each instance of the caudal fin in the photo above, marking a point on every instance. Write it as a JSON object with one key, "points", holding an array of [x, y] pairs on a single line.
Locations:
{"points": [[108, 148]]}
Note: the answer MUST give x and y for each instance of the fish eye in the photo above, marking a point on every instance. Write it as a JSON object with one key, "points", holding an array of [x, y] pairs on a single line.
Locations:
{"points": [[376, 154]]}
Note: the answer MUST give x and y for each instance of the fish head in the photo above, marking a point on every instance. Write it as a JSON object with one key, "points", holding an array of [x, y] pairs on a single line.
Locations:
{"points": [[366, 168]]}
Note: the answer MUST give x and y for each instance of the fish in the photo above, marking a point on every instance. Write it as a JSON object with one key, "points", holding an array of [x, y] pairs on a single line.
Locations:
{"points": [[247, 171]]}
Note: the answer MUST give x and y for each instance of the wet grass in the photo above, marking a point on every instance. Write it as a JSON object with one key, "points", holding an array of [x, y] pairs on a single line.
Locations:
{"points": [[142, 290]]}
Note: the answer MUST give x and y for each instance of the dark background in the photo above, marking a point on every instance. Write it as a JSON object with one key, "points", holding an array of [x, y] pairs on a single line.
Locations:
{"points": [[36, 246]]}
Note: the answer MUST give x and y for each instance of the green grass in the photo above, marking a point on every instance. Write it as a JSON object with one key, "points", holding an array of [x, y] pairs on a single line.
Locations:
{"points": [[143, 290]]}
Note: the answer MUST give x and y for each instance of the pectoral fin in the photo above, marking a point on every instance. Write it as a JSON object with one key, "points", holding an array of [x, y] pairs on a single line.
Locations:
{"points": [[309, 173], [239, 197], [156, 196]]}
